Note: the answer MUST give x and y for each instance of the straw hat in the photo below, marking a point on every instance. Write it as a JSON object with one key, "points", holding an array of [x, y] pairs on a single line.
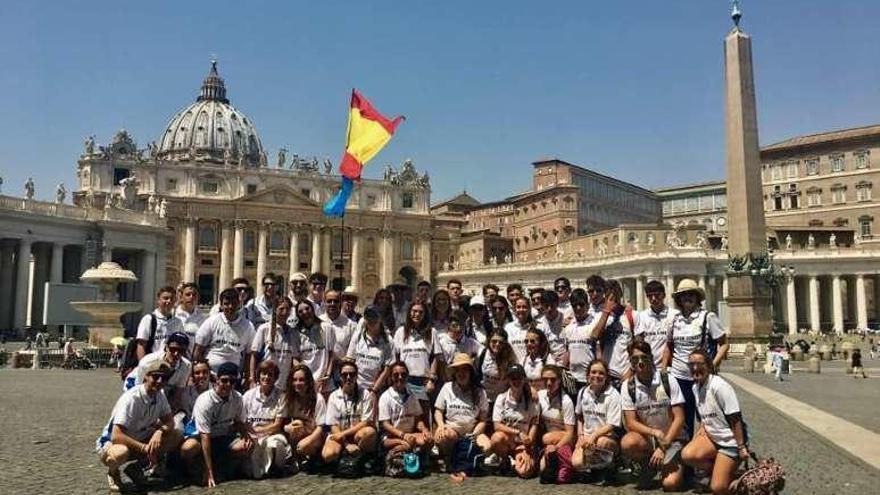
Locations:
{"points": [[350, 291], [461, 359], [689, 285]]}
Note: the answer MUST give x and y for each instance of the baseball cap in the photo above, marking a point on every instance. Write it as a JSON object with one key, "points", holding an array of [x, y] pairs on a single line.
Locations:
{"points": [[516, 370]]}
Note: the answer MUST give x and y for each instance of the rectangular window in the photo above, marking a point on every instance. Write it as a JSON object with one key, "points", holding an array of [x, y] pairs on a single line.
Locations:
{"points": [[251, 188], [862, 159], [776, 172], [693, 203], [777, 203], [792, 170], [667, 207], [171, 184], [838, 195], [813, 166], [814, 198], [837, 163], [866, 227], [407, 200], [863, 193], [210, 187], [306, 192]]}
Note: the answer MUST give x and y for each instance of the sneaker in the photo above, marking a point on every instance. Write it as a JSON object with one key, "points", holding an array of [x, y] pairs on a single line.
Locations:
{"points": [[114, 481], [136, 473], [493, 461], [435, 451]]}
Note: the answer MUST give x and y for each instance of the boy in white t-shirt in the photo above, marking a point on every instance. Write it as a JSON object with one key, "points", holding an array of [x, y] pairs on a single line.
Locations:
{"points": [[227, 336], [652, 323], [149, 340]]}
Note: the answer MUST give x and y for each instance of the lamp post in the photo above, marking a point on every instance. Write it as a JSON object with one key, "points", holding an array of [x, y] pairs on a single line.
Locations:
{"points": [[773, 276]]}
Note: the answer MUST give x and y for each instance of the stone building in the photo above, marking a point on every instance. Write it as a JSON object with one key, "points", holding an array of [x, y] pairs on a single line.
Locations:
{"points": [[231, 214]]}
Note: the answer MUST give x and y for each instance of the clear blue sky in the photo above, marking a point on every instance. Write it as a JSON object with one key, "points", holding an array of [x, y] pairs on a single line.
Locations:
{"points": [[632, 89]]}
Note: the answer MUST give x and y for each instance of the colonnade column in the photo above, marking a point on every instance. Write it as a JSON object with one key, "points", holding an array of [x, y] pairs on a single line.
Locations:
{"points": [[294, 253], [262, 246], [791, 306], [640, 293], [327, 252], [670, 288], [22, 285], [425, 256], [387, 257], [315, 265], [238, 256], [226, 255], [189, 252], [57, 273], [836, 304], [356, 259], [815, 322], [7, 276], [861, 303], [725, 287]]}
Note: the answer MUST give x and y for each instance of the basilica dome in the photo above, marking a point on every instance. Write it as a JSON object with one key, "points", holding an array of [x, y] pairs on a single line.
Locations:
{"points": [[212, 130]]}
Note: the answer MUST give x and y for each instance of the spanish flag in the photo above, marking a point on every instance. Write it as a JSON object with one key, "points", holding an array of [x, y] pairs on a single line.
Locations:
{"points": [[368, 132]]}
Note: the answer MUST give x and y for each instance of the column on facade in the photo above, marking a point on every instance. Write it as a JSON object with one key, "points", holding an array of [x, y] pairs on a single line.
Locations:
{"points": [[7, 284], [294, 252], [22, 282], [315, 265], [226, 254], [640, 293], [387, 256], [356, 259], [791, 306], [861, 303], [725, 287], [815, 322], [670, 288], [238, 251], [189, 252], [704, 283], [425, 256], [148, 280], [836, 304], [262, 254], [57, 273], [327, 251]]}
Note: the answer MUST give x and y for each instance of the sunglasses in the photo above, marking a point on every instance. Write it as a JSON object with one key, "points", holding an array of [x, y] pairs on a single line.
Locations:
{"points": [[268, 284], [175, 349], [399, 376], [639, 359], [531, 341], [696, 365], [348, 374], [496, 341], [498, 308], [241, 289], [595, 291], [158, 377], [331, 301]]}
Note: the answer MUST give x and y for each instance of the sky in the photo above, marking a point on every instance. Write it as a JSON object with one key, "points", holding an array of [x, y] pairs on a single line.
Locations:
{"points": [[630, 89]]}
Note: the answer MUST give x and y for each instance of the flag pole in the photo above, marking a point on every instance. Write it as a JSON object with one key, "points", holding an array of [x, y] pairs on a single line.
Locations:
{"points": [[342, 256]]}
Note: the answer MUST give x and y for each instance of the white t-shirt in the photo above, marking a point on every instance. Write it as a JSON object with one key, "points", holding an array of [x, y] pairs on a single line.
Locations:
{"points": [[449, 347], [179, 373], [216, 416], [225, 341], [553, 331], [191, 323], [315, 346], [346, 411], [515, 414], [310, 420], [615, 341], [165, 326], [262, 312], [261, 410], [516, 337], [534, 367], [715, 401], [137, 413], [581, 350], [188, 398], [477, 331], [652, 404], [371, 356], [285, 347], [342, 329], [556, 415], [402, 410], [415, 351], [493, 382], [567, 311], [459, 410], [599, 411], [685, 333], [654, 327]]}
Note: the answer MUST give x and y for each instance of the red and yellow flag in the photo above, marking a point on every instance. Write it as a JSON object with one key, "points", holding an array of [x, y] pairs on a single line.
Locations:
{"points": [[368, 132]]}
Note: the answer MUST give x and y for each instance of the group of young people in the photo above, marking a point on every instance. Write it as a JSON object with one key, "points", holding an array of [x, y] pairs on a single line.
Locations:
{"points": [[559, 384]]}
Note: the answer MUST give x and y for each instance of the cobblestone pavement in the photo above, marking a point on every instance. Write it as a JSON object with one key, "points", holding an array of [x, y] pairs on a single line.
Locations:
{"points": [[49, 420], [853, 399]]}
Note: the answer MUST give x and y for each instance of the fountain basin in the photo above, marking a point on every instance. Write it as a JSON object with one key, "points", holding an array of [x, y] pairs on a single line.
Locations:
{"points": [[105, 319]]}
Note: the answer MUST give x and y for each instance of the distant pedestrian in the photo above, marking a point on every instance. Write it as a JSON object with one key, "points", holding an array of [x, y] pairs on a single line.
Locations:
{"points": [[857, 368]]}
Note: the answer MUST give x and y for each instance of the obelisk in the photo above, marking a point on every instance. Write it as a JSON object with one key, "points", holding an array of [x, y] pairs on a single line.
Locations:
{"points": [[749, 297]]}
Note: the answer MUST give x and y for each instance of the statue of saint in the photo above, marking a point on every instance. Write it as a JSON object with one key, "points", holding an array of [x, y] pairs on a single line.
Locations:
{"points": [[788, 241], [282, 157], [163, 208], [60, 193], [29, 188]]}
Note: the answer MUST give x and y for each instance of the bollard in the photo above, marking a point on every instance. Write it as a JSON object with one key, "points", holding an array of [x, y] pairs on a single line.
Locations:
{"points": [[749, 364], [797, 354], [815, 365], [825, 352]]}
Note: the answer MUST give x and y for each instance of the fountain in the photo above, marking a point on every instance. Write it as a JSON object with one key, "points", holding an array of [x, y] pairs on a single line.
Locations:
{"points": [[107, 310]]}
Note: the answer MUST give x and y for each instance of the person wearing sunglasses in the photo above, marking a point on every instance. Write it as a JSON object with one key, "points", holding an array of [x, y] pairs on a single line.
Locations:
{"points": [[351, 418], [264, 304], [401, 416], [298, 287], [455, 341], [478, 324], [580, 345], [493, 362], [537, 356], [515, 422], [516, 329], [179, 368], [499, 312], [557, 421], [372, 351], [598, 413], [720, 444], [226, 337], [334, 321], [614, 332], [562, 287], [653, 323], [317, 286], [223, 432], [552, 323], [653, 412], [266, 416], [141, 426], [275, 340], [306, 409]]}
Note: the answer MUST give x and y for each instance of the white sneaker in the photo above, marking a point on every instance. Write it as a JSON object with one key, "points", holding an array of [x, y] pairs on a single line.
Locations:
{"points": [[492, 461], [114, 481]]}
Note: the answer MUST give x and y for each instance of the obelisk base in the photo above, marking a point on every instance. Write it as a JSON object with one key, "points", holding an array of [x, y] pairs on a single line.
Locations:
{"points": [[748, 304]]}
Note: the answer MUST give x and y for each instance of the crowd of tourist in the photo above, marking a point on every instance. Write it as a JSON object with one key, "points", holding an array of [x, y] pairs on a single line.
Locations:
{"points": [[559, 384]]}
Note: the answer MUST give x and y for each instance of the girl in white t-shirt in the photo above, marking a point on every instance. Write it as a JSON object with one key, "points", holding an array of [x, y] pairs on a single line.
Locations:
{"points": [[537, 356], [516, 329], [415, 343], [305, 408], [401, 418], [315, 346], [275, 340], [266, 415], [493, 362], [719, 444], [557, 418], [515, 421], [598, 412]]}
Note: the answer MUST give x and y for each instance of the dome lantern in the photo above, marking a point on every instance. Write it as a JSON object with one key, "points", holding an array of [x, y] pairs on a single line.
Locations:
{"points": [[213, 87]]}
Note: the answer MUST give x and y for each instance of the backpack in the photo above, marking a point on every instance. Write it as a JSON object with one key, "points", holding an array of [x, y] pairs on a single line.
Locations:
{"points": [[706, 341], [765, 478], [464, 457], [129, 358], [631, 386], [350, 466]]}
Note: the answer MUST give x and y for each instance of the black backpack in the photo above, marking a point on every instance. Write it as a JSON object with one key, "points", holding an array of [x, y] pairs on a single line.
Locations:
{"points": [[129, 357], [631, 386]]}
